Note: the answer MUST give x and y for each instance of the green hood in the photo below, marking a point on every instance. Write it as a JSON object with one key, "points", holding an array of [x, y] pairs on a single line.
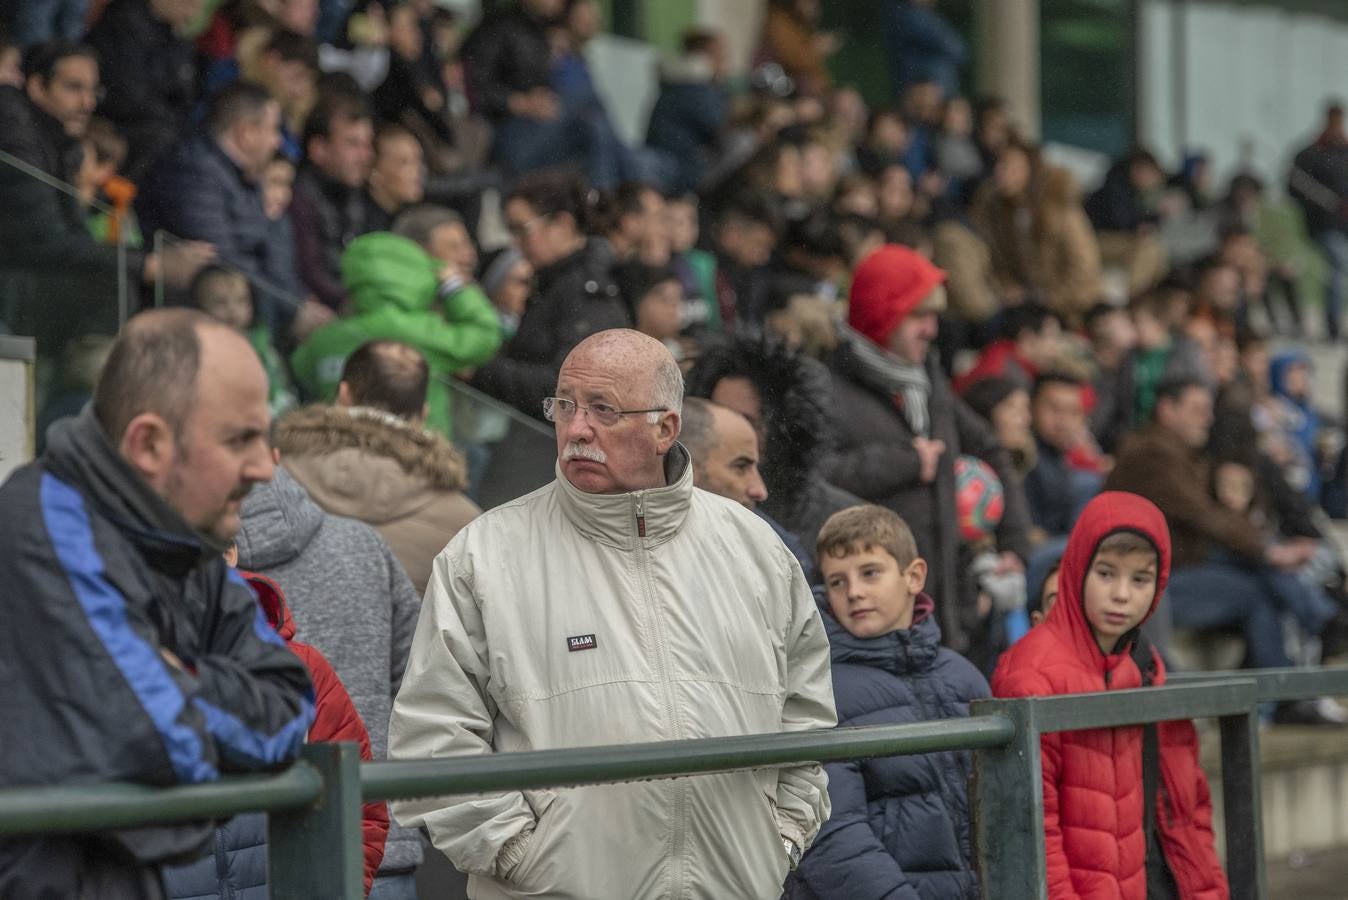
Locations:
{"points": [[382, 270]]}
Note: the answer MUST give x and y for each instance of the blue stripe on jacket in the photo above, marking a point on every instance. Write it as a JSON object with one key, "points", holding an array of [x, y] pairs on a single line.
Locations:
{"points": [[67, 523]]}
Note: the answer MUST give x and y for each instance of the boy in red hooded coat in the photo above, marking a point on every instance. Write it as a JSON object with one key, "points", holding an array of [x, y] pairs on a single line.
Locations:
{"points": [[1097, 841]]}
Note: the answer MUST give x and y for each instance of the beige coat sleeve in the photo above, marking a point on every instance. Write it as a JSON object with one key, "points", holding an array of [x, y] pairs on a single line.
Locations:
{"points": [[802, 791], [443, 709]]}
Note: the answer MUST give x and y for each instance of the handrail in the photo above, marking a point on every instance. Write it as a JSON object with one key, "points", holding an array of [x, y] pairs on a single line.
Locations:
{"points": [[1278, 684], [68, 809], [672, 759]]}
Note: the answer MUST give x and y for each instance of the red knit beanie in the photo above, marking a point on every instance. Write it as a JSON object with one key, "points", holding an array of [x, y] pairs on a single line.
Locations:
{"points": [[887, 286]]}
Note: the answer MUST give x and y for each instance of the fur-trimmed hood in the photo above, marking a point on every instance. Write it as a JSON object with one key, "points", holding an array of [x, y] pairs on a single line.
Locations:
{"points": [[366, 463], [795, 392]]}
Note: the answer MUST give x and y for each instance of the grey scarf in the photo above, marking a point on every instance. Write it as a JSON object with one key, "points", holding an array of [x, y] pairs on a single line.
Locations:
{"points": [[884, 371]]}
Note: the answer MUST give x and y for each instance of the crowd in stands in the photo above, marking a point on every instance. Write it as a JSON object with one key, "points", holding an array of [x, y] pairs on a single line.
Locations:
{"points": [[912, 344]]}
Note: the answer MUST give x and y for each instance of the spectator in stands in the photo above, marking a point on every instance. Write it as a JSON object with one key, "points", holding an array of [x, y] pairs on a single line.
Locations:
{"points": [[40, 21], [369, 457], [1128, 812], [141, 660], [787, 399], [44, 229], [547, 214], [398, 176], [237, 864], [954, 151], [1125, 211], [1225, 574], [923, 47], [1066, 254], [617, 415], [1031, 343], [1058, 486], [11, 63], [1004, 403], [1319, 182], [441, 233], [899, 425], [993, 128], [225, 295], [104, 156], [792, 40], [744, 234], [690, 113], [889, 668], [1113, 339], [507, 63], [1002, 210], [352, 600], [508, 279], [288, 68], [724, 451], [209, 188], [637, 229], [695, 267], [149, 70], [655, 297], [400, 292], [329, 209]]}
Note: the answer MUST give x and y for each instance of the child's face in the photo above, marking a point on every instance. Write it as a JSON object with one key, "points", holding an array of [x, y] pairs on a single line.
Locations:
{"points": [[1047, 597], [659, 312], [869, 593], [1151, 331], [1297, 380], [1234, 486], [1120, 588], [278, 184], [959, 118], [682, 224], [227, 299]]}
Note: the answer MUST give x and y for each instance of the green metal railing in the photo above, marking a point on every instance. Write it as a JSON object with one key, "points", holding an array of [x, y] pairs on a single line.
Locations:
{"points": [[314, 826]]}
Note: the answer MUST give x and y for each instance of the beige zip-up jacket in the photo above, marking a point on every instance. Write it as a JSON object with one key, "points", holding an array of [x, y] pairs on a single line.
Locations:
{"points": [[566, 619]]}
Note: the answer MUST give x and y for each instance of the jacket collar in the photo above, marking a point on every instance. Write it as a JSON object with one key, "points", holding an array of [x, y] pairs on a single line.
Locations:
{"points": [[908, 651], [615, 519], [80, 454]]}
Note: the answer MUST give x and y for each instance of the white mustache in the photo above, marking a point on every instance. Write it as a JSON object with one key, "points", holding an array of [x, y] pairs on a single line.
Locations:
{"points": [[574, 450]]}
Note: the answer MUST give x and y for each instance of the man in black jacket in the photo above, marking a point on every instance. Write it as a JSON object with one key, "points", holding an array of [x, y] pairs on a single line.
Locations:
{"points": [[42, 226], [130, 651], [1319, 182], [208, 189]]}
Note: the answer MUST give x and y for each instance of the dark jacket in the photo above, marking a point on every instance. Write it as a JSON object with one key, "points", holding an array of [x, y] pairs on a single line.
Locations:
{"points": [[350, 599], [876, 461], [197, 193], [1319, 182], [101, 576], [1156, 464], [236, 868], [688, 117], [575, 298], [42, 228], [508, 52], [1117, 205], [1048, 491], [900, 827], [327, 216], [923, 47], [796, 398], [150, 74]]}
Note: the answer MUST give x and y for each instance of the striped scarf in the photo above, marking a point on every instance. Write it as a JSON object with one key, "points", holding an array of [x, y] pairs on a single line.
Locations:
{"points": [[884, 371]]}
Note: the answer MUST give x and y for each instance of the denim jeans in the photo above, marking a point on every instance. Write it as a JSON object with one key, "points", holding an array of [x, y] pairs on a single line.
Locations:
{"points": [[1215, 595], [1334, 246], [394, 887]]}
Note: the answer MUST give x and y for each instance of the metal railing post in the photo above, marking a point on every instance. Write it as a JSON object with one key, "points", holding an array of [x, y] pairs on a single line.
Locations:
{"points": [[1008, 807], [1244, 808], [316, 852]]}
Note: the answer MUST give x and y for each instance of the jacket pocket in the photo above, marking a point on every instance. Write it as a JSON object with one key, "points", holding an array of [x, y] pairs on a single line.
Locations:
{"points": [[543, 802]]}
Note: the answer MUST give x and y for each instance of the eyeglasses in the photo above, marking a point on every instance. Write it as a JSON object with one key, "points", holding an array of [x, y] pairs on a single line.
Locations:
{"points": [[556, 409]]}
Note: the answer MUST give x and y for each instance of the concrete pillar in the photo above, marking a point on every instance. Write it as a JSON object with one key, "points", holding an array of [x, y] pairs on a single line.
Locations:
{"points": [[1007, 43]]}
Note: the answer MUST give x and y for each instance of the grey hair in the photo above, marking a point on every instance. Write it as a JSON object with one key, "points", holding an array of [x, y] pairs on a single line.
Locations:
{"points": [[668, 389]]}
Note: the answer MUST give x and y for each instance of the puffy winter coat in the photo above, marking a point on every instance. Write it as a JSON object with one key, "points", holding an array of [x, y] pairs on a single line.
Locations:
{"points": [[397, 295], [900, 824], [568, 619], [237, 867], [1095, 842]]}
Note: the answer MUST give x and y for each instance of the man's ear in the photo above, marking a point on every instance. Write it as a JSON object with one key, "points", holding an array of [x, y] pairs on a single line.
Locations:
{"points": [[669, 433], [343, 397], [425, 411], [149, 447]]}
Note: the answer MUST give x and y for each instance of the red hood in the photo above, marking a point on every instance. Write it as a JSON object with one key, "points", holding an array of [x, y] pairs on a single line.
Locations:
{"points": [[273, 603], [1109, 512]]}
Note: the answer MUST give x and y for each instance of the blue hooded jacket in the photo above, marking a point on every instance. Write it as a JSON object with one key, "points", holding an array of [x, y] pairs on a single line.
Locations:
{"points": [[900, 828], [1302, 424]]}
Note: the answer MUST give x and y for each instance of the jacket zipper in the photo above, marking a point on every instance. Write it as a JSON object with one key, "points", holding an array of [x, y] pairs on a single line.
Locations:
{"points": [[679, 787]]}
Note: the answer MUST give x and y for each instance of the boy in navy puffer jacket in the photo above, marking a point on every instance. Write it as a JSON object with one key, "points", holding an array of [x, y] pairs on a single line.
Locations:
{"points": [[900, 825]]}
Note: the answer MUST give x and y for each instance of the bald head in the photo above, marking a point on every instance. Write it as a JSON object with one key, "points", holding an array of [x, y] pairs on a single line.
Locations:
{"points": [[724, 448], [154, 365], [622, 393], [637, 358]]}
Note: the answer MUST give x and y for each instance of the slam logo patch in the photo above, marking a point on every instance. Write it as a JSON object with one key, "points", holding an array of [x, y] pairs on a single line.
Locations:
{"points": [[580, 642]]}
